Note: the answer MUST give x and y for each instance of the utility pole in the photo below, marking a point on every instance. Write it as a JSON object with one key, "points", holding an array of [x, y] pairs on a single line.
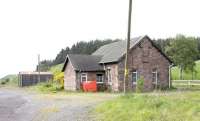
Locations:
{"points": [[126, 71], [39, 68]]}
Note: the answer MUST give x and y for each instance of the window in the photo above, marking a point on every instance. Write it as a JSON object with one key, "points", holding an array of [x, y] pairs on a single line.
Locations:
{"points": [[100, 78], [109, 75], [134, 76], [83, 77]]}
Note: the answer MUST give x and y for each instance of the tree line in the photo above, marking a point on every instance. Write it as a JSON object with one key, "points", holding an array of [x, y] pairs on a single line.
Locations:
{"points": [[182, 50], [81, 47]]}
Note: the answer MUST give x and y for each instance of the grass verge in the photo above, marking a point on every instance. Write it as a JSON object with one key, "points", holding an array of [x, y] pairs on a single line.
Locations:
{"points": [[172, 106], [47, 87]]}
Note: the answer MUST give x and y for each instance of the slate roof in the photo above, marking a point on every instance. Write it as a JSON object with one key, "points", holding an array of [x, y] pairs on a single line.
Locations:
{"points": [[109, 53], [84, 62], [114, 51]]}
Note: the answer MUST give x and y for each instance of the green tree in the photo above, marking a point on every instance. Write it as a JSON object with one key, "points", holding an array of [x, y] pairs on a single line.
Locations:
{"points": [[81, 47], [183, 51]]}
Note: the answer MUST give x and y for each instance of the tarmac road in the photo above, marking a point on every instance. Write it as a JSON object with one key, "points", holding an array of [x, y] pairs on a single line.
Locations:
{"points": [[19, 105]]}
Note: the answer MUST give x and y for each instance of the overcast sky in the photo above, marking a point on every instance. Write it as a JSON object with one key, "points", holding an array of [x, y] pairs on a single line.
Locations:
{"points": [[30, 27]]}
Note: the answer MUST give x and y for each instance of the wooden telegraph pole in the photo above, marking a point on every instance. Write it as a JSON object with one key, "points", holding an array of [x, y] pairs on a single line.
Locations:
{"points": [[126, 71]]}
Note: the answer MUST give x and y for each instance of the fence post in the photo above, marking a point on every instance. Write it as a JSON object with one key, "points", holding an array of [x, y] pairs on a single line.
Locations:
{"points": [[189, 83]]}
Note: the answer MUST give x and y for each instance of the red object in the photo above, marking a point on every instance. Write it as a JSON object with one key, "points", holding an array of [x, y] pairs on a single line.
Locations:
{"points": [[90, 86]]}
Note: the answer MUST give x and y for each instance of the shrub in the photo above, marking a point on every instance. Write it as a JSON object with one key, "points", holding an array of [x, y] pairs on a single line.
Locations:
{"points": [[57, 87], [59, 77], [3, 83], [6, 81], [140, 85], [49, 87]]}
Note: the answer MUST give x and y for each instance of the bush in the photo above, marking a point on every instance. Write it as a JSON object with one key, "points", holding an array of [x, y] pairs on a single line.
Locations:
{"points": [[140, 85], [6, 81], [59, 77], [3, 83], [10, 80], [49, 87]]}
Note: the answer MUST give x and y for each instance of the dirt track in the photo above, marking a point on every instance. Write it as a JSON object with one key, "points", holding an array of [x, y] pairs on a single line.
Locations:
{"points": [[20, 105]]}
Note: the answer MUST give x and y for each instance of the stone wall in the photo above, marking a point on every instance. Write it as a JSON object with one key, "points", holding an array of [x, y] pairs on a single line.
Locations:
{"points": [[114, 85], [144, 58]]}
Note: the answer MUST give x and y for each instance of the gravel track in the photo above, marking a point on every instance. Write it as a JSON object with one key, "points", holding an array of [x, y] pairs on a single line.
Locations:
{"points": [[20, 105]]}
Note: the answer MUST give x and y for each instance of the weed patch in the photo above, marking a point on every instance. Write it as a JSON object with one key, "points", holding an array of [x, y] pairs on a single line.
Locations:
{"points": [[177, 106]]}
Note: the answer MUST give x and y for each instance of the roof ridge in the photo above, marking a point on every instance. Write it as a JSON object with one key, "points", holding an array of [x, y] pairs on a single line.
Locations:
{"points": [[83, 55]]}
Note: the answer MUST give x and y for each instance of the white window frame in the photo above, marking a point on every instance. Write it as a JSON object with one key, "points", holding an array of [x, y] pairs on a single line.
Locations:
{"points": [[155, 81], [85, 75], [136, 73], [101, 77]]}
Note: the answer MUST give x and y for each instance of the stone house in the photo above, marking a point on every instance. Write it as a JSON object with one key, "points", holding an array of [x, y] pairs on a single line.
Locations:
{"points": [[106, 66]]}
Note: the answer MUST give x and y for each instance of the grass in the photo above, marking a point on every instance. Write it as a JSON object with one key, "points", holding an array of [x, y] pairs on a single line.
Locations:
{"points": [[171, 106], [185, 86], [186, 75], [47, 87], [56, 68], [11, 80]]}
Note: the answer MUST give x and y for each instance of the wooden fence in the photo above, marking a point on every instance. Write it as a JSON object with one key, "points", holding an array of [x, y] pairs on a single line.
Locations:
{"points": [[186, 83]]}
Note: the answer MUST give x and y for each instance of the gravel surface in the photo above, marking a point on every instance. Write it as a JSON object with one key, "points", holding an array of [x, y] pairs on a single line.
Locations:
{"points": [[20, 105]]}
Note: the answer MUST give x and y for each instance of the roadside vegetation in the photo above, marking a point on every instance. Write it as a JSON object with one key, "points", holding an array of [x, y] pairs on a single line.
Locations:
{"points": [[48, 87], [54, 85], [10, 80], [58, 74], [169, 106]]}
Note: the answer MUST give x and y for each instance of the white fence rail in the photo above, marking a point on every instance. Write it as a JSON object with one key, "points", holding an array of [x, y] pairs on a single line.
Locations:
{"points": [[188, 83]]}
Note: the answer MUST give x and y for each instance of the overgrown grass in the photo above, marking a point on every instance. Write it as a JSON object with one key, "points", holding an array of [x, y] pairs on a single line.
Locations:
{"points": [[186, 75], [48, 87], [174, 106]]}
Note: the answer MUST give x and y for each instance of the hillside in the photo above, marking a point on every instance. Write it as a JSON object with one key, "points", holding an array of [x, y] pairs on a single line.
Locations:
{"points": [[56, 68], [9, 79], [186, 75]]}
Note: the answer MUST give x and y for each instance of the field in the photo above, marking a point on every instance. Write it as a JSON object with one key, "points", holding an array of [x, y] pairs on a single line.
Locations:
{"points": [[169, 106], [186, 75]]}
